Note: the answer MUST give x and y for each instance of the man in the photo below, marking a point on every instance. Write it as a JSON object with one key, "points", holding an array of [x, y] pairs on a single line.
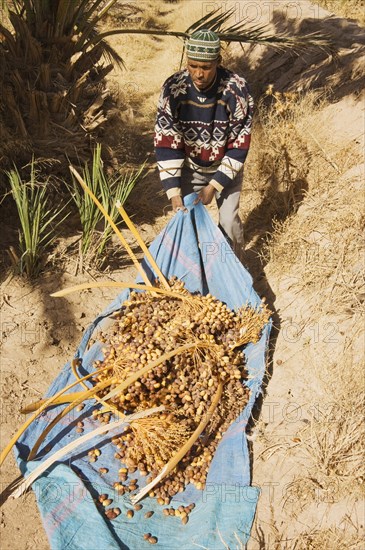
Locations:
{"points": [[202, 133]]}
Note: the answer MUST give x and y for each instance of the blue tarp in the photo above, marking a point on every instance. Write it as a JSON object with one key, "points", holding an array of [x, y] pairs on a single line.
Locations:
{"points": [[194, 249]]}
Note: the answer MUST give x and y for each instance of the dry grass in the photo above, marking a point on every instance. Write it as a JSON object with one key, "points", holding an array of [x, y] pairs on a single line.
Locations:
{"points": [[328, 539], [301, 172], [303, 187], [280, 158], [351, 9], [321, 249], [350, 537], [272, 537], [334, 440]]}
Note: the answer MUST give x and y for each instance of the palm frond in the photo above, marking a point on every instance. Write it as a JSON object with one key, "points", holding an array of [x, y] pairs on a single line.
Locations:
{"points": [[95, 41], [210, 21], [63, 17], [91, 21], [216, 23], [282, 41], [241, 32], [78, 13], [24, 485], [87, 13]]}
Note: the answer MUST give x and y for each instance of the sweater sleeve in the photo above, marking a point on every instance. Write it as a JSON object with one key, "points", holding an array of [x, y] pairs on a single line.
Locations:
{"points": [[240, 107], [169, 142]]}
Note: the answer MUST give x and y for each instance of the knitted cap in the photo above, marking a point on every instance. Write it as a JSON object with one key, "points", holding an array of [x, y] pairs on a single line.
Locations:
{"points": [[203, 45]]}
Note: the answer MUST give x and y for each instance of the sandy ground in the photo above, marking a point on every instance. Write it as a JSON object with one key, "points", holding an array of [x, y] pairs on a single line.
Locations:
{"points": [[39, 334]]}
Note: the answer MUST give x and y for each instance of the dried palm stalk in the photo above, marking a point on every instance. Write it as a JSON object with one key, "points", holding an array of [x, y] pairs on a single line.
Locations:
{"points": [[24, 485], [86, 395], [61, 400], [141, 243], [46, 403]]}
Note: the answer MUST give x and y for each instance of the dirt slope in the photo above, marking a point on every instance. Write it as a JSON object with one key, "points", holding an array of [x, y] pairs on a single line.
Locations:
{"points": [[317, 341]]}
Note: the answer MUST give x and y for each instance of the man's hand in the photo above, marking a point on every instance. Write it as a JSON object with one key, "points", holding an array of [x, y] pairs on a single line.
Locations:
{"points": [[206, 194], [177, 204]]}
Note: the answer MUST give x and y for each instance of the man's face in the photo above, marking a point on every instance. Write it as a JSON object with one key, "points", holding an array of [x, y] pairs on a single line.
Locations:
{"points": [[202, 72]]}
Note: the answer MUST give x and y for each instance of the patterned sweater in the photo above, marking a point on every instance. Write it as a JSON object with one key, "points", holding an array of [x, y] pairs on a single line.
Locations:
{"points": [[207, 130]]}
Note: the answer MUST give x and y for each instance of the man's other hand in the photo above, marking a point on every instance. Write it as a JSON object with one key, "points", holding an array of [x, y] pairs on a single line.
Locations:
{"points": [[206, 194], [177, 204]]}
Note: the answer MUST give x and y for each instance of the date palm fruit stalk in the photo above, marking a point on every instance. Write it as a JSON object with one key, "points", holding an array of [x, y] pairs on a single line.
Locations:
{"points": [[173, 350], [163, 447]]}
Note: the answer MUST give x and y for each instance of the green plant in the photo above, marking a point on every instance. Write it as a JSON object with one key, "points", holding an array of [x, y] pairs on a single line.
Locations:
{"points": [[96, 232], [38, 220]]}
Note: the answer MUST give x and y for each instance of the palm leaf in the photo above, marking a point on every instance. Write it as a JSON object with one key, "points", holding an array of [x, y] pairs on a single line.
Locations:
{"points": [[281, 41], [244, 33], [94, 41], [91, 23], [87, 9], [64, 18], [216, 24], [240, 32], [78, 13], [209, 20]]}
